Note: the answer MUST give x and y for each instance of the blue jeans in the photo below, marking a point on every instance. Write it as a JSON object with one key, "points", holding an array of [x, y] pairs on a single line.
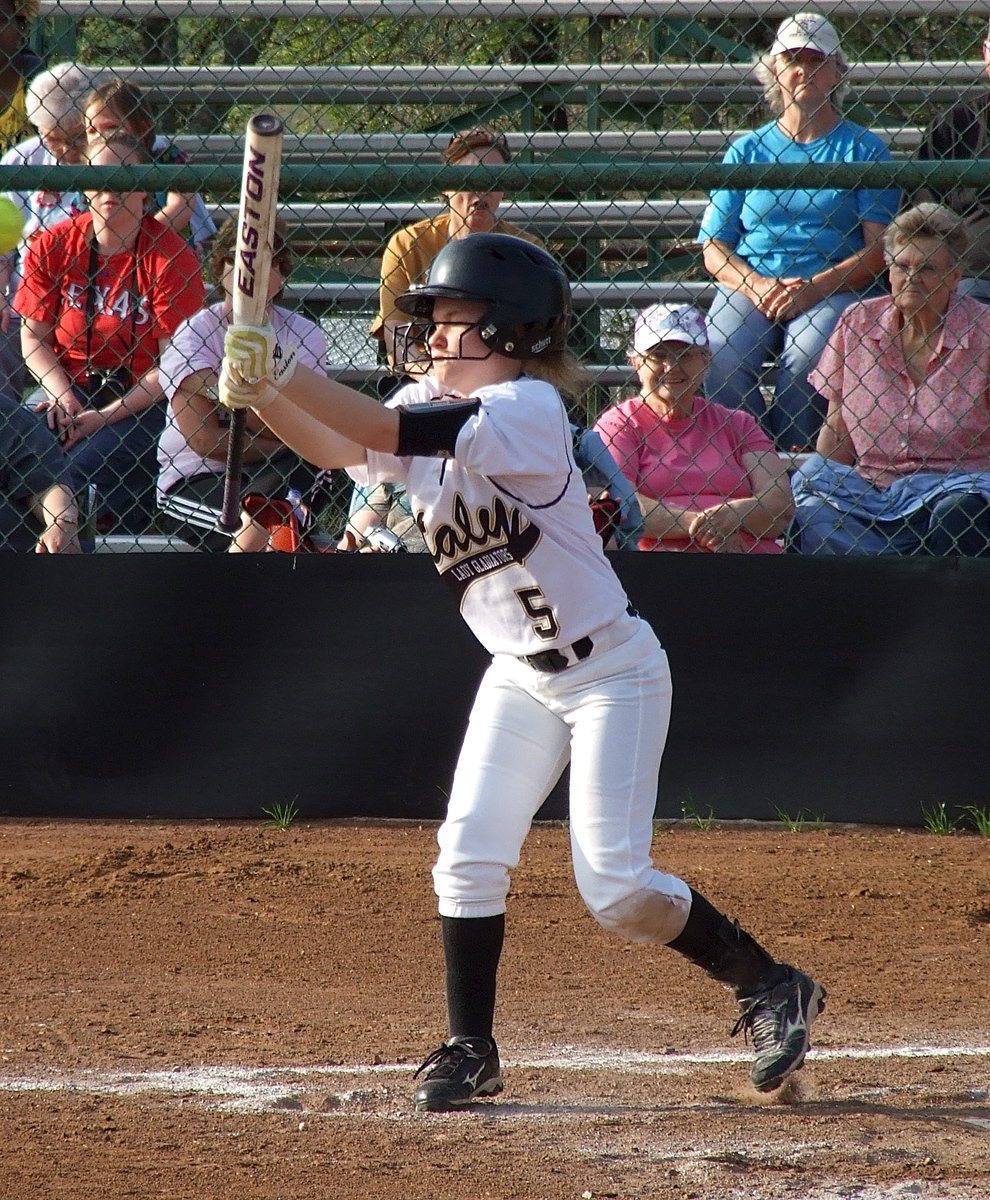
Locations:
{"points": [[121, 461], [742, 340], [978, 289], [955, 524], [13, 372]]}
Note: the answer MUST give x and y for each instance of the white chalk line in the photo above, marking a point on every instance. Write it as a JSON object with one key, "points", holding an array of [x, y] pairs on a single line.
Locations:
{"points": [[288, 1092], [261, 1089]]}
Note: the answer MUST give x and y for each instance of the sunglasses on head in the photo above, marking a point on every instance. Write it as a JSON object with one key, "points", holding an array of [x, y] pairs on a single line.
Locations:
{"points": [[477, 139]]}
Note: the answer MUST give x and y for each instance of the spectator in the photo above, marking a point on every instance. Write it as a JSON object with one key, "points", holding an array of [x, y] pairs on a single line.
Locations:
{"points": [[18, 65], [410, 251], [962, 132], [54, 105], [101, 294], [788, 262], [37, 508], [192, 451], [117, 107], [613, 499], [707, 477], [903, 462]]}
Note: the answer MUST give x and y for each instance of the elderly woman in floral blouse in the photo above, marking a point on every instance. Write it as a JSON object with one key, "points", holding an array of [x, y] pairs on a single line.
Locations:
{"points": [[903, 460]]}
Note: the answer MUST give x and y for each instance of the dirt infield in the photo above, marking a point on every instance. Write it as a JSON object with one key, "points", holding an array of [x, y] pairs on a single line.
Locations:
{"points": [[198, 1010]]}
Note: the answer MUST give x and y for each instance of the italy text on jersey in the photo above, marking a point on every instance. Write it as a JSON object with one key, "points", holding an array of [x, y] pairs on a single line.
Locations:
{"points": [[478, 541]]}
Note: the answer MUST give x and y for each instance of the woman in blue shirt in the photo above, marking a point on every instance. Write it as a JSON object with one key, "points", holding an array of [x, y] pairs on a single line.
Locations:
{"points": [[788, 262]]}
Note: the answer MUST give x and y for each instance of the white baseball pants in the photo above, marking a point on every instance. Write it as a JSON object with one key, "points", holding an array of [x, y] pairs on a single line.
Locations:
{"points": [[609, 715]]}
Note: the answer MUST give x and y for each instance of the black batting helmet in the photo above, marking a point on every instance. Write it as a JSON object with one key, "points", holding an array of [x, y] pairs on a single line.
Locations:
{"points": [[528, 297]]}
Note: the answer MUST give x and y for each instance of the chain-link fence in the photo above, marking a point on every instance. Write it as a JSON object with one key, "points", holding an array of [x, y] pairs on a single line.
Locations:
{"points": [[764, 334]]}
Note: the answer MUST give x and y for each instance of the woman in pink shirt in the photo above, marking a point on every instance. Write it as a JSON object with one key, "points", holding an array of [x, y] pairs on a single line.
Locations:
{"points": [[903, 460], [707, 477]]}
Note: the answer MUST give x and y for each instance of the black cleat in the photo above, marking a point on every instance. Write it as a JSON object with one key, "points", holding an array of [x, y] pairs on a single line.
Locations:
{"points": [[779, 1017], [457, 1073]]}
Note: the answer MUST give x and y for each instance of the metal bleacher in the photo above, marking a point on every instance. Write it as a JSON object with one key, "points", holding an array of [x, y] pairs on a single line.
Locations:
{"points": [[609, 84], [355, 148], [623, 250], [684, 94]]}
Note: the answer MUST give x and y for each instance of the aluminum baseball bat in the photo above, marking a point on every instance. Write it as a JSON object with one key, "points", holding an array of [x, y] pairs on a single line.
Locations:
{"points": [[252, 267]]}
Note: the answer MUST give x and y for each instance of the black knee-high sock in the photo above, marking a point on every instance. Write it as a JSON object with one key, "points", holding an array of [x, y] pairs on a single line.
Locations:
{"points": [[718, 945], [472, 947]]}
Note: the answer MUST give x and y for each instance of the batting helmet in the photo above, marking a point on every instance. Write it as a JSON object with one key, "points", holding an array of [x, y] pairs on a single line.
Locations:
{"points": [[528, 297]]}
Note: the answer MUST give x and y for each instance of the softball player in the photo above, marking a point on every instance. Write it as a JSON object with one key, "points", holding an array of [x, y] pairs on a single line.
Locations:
{"points": [[484, 448]]}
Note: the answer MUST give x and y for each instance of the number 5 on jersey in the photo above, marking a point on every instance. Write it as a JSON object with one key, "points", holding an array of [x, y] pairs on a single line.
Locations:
{"points": [[545, 624]]}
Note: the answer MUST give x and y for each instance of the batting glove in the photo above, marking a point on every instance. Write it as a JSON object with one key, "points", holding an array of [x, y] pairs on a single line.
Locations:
{"points": [[254, 367]]}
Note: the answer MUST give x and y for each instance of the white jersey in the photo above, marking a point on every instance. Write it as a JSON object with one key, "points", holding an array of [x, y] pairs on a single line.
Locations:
{"points": [[197, 345], [507, 519]]}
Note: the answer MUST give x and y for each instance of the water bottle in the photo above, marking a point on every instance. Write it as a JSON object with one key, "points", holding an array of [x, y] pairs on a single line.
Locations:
{"points": [[383, 540], [294, 497]]}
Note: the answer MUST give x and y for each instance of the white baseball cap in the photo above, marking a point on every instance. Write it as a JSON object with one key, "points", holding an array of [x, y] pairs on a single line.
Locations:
{"points": [[668, 323], [808, 31]]}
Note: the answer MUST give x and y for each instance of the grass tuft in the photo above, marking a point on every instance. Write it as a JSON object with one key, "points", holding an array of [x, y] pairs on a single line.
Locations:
{"points": [[690, 812], [800, 821], [281, 815], [980, 818], [938, 819]]}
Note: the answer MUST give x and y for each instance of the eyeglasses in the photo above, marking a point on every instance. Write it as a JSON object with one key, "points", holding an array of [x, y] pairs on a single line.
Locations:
{"points": [[922, 270], [808, 58], [58, 141]]}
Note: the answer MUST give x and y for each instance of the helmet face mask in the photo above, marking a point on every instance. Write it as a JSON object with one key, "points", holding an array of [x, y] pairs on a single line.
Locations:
{"points": [[524, 291], [412, 346], [412, 343]]}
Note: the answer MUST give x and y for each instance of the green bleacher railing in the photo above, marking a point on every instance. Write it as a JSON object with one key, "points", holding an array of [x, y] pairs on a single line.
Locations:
{"points": [[428, 179]]}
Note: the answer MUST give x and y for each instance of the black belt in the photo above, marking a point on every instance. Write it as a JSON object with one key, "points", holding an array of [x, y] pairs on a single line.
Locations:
{"points": [[557, 660], [554, 661]]}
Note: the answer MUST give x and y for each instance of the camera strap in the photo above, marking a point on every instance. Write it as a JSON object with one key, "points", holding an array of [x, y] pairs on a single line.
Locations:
{"points": [[89, 310]]}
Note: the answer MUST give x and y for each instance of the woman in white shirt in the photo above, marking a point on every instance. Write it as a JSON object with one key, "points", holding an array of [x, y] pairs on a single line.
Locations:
{"points": [[192, 450], [54, 101]]}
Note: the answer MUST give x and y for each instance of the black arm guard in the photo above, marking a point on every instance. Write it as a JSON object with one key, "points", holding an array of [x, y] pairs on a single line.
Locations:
{"points": [[431, 429]]}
